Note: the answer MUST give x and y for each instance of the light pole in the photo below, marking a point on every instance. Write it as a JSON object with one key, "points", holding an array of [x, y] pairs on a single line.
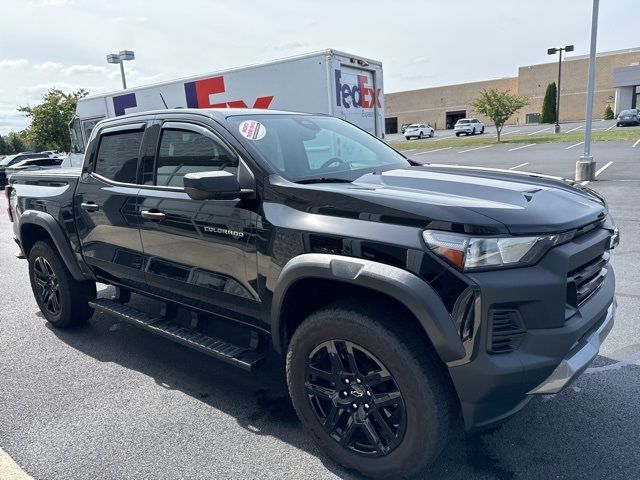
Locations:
{"points": [[553, 51], [121, 58], [586, 166]]}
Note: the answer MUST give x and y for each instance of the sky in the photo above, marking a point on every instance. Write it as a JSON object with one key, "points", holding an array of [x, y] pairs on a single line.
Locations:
{"points": [[421, 43]]}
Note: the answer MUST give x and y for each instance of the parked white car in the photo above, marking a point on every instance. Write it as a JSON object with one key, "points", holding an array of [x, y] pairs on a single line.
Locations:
{"points": [[418, 130], [469, 126]]}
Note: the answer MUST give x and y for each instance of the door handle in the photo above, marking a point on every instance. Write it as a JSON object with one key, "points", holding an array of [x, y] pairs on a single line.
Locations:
{"points": [[153, 215], [90, 206]]}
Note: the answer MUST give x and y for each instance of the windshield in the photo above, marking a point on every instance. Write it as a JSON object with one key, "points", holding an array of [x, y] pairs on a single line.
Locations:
{"points": [[7, 160], [306, 147], [413, 126], [629, 112], [463, 121]]}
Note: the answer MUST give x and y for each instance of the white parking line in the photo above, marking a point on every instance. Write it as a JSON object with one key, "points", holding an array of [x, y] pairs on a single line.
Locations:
{"points": [[477, 148], [410, 150], [606, 130], [573, 129], [518, 166], [576, 145], [508, 133], [431, 151], [540, 131], [598, 172], [636, 144], [523, 146]]}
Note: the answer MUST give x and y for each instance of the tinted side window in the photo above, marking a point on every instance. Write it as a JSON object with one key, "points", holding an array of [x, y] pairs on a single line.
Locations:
{"points": [[184, 151], [117, 157]]}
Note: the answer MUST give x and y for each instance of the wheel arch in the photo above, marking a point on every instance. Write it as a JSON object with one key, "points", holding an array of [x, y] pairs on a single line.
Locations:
{"points": [[36, 226], [336, 276]]}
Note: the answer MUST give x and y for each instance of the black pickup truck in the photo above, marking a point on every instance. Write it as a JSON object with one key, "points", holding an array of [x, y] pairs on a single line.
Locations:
{"points": [[402, 295]]}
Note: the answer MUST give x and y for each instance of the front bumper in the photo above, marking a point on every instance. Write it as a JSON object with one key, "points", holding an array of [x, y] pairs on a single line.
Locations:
{"points": [[557, 342], [579, 358]]}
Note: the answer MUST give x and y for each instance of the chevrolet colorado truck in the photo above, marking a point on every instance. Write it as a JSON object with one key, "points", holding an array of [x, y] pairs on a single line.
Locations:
{"points": [[402, 295]]}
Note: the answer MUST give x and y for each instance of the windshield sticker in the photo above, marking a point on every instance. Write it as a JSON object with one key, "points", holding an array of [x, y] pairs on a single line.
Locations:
{"points": [[252, 130]]}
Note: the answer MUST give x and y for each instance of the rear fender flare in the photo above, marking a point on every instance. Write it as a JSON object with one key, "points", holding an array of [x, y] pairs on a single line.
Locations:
{"points": [[52, 227]]}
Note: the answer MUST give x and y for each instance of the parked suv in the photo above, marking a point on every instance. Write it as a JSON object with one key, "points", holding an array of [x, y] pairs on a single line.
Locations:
{"points": [[628, 117], [418, 130], [401, 295], [468, 126]]}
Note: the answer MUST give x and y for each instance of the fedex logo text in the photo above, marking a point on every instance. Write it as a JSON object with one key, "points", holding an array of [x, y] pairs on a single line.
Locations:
{"points": [[357, 96], [198, 95]]}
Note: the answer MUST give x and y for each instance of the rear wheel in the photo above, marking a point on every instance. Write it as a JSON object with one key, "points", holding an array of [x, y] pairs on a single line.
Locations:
{"points": [[457, 134], [421, 136], [63, 300], [374, 398]]}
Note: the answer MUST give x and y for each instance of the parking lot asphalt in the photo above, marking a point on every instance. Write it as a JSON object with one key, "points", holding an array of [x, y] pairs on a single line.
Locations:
{"points": [[109, 401], [530, 129]]}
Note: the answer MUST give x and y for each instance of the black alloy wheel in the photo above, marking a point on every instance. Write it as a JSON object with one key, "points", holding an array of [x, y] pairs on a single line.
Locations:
{"points": [[47, 285], [355, 398]]}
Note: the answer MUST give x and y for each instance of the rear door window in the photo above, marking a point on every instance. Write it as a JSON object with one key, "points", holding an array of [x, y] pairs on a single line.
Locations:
{"points": [[117, 157]]}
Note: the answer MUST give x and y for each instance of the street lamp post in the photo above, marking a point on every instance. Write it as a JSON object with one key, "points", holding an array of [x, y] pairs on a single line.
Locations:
{"points": [[586, 166], [121, 58], [553, 51]]}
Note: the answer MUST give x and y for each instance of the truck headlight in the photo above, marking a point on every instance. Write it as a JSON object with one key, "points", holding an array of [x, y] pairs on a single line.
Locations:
{"points": [[470, 253]]}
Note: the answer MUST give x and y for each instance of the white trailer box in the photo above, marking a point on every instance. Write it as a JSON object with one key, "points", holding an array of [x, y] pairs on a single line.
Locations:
{"points": [[330, 82]]}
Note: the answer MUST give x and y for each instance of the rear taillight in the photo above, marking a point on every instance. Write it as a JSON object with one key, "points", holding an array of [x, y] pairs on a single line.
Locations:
{"points": [[7, 194]]}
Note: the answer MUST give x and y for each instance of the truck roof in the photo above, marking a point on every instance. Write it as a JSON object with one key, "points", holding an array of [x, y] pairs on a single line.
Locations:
{"points": [[220, 113], [328, 51]]}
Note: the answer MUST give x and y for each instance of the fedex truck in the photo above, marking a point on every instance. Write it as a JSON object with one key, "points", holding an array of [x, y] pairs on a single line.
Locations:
{"points": [[330, 82]]}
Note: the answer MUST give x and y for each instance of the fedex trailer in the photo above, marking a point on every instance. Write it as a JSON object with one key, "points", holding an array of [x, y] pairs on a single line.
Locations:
{"points": [[330, 82]]}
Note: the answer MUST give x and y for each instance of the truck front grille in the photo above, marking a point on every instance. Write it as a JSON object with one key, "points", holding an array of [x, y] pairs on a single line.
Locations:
{"points": [[585, 281]]}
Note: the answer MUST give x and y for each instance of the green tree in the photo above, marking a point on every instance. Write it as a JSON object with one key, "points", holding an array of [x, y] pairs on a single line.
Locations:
{"points": [[608, 113], [50, 119], [498, 105], [549, 104], [3, 146], [15, 143]]}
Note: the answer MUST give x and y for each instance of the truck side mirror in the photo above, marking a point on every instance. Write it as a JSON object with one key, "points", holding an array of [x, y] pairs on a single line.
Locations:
{"points": [[220, 184]]}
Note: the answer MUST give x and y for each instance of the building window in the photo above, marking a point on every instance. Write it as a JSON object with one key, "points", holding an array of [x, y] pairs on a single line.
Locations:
{"points": [[635, 102]]}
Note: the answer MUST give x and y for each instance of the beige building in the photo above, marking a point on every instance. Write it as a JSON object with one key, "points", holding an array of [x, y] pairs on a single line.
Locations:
{"points": [[440, 106]]}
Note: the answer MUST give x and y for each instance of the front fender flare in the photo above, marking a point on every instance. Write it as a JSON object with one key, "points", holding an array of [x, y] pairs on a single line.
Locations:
{"points": [[405, 287], [53, 228]]}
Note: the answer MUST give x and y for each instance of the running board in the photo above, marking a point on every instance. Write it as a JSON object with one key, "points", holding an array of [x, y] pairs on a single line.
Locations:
{"points": [[246, 358]]}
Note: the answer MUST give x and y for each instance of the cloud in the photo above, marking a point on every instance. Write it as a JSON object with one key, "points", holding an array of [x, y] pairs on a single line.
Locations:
{"points": [[420, 60], [10, 64], [48, 66], [50, 3], [33, 93], [291, 45], [84, 70]]}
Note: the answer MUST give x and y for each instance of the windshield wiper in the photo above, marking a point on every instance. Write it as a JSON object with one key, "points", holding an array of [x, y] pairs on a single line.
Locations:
{"points": [[323, 180]]}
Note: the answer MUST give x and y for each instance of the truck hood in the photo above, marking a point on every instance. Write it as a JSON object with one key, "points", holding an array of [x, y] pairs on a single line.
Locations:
{"points": [[480, 201]]}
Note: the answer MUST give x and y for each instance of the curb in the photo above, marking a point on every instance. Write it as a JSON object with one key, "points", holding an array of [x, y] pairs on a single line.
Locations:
{"points": [[9, 470]]}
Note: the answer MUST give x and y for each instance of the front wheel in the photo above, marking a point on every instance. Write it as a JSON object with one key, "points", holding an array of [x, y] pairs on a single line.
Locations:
{"points": [[63, 300], [374, 397], [482, 130], [421, 136], [431, 134]]}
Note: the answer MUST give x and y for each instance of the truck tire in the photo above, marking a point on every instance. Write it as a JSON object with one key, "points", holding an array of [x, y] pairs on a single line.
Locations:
{"points": [[370, 391], [63, 300]]}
